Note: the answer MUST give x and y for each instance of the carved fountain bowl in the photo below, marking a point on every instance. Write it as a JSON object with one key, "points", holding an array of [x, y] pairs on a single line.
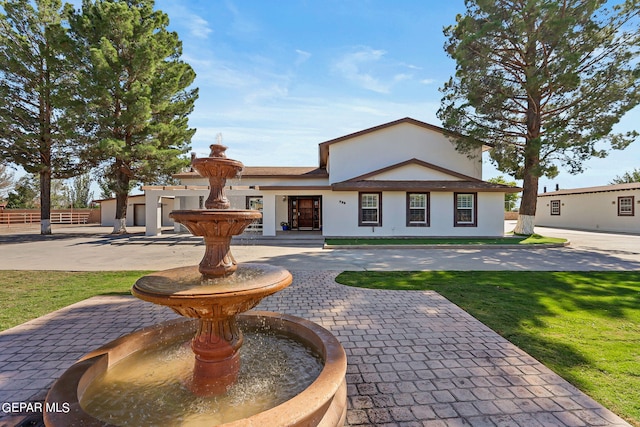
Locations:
{"points": [[187, 293], [216, 222], [217, 167]]}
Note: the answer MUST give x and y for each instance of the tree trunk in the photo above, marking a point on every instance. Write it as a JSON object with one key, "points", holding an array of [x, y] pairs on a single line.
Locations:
{"points": [[527, 212], [45, 202], [120, 223]]}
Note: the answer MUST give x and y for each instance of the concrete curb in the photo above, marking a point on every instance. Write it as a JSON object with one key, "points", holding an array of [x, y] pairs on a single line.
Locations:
{"points": [[469, 246]]}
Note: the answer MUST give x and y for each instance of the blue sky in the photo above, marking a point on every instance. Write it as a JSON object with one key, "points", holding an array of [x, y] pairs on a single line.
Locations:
{"points": [[278, 78]]}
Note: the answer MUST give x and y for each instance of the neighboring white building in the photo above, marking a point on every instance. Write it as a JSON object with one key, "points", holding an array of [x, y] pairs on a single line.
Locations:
{"points": [[606, 208], [136, 207], [403, 178]]}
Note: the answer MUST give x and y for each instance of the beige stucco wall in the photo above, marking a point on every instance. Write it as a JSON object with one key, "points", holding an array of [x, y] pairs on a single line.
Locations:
{"points": [[341, 216], [108, 211], [373, 151], [589, 211]]}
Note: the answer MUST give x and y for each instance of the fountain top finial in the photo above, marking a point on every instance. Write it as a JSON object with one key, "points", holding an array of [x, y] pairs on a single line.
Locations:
{"points": [[218, 150]]}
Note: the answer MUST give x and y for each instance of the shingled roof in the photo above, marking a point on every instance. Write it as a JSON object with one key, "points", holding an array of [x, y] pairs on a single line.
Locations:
{"points": [[301, 172]]}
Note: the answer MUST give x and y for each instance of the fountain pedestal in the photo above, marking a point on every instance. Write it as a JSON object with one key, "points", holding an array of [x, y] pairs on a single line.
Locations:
{"points": [[217, 363]]}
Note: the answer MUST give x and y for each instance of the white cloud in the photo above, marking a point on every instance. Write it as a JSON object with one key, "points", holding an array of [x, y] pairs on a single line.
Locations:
{"points": [[351, 65], [371, 69], [266, 93], [302, 56], [402, 76], [199, 28], [241, 24], [287, 130]]}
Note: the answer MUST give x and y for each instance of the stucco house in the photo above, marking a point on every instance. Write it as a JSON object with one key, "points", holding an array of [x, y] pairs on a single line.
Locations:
{"points": [[136, 207], [603, 208], [403, 178]]}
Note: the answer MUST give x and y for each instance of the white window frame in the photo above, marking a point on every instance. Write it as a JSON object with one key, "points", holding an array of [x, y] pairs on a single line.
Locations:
{"points": [[625, 206], [375, 197], [472, 208], [411, 207]]}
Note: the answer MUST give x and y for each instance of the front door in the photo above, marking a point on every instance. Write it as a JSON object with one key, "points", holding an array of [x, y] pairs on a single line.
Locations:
{"points": [[305, 212]]}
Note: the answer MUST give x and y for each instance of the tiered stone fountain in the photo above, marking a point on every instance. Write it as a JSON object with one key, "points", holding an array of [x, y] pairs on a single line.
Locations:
{"points": [[215, 293]]}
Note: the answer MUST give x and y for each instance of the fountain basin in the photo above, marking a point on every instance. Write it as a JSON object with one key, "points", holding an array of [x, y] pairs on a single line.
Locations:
{"points": [[215, 301], [217, 226], [186, 292], [323, 403], [215, 222]]}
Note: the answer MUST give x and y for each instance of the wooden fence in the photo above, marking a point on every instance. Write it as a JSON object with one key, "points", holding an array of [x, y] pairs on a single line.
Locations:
{"points": [[16, 218]]}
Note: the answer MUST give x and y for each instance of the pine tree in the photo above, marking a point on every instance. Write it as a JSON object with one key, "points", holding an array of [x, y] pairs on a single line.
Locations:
{"points": [[35, 75], [627, 177], [543, 82], [135, 94], [6, 181], [78, 192]]}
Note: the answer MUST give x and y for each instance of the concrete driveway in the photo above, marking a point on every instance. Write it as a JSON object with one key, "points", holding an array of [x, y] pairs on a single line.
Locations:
{"points": [[92, 248]]}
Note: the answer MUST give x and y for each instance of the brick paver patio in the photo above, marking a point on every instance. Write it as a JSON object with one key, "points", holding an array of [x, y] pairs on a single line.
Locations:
{"points": [[414, 359]]}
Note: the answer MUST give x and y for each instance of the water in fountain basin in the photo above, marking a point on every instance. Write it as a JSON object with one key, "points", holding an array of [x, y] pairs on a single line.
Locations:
{"points": [[150, 387]]}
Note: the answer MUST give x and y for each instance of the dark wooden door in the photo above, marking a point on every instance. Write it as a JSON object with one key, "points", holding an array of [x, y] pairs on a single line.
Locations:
{"points": [[305, 213]]}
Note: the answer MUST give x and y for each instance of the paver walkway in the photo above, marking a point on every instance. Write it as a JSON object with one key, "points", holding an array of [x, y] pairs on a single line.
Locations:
{"points": [[414, 359]]}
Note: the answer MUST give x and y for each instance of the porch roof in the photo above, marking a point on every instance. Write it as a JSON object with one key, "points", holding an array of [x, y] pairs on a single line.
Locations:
{"points": [[383, 185], [296, 172]]}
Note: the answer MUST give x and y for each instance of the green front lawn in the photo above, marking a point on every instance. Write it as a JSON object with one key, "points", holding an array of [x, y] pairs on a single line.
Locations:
{"points": [[534, 239], [583, 325], [26, 295]]}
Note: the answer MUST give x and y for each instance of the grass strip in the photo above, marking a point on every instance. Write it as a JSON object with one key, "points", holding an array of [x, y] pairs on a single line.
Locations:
{"points": [[583, 325], [26, 295], [534, 239]]}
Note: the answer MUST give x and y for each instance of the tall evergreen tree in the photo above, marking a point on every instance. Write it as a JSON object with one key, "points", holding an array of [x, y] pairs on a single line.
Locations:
{"points": [[135, 91], [79, 192], [35, 75], [544, 81], [627, 177], [6, 181], [24, 194]]}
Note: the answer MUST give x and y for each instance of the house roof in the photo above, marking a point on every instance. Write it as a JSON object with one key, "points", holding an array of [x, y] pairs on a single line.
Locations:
{"points": [[418, 162], [380, 185], [324, 146], [463, 183], [295, 172], [599, 189], [130, 196]]}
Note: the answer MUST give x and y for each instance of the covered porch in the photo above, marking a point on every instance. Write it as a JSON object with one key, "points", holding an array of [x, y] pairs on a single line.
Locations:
{"points": [[283, 211]]}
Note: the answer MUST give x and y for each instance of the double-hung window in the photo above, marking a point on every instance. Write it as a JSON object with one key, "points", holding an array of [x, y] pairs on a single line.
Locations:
{"points": [[370, 209], [465, 209], [555, 207], [625, 206], [417, 209]]}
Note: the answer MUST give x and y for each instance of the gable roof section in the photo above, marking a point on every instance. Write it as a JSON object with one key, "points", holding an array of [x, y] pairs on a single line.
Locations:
{"points": [[414, 161], [324, 146], [463, 183]]}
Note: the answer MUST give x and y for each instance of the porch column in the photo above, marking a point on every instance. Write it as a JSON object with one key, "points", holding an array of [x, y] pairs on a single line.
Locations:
{"points": [[177, 205], [153, 213], [268, 214]]}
